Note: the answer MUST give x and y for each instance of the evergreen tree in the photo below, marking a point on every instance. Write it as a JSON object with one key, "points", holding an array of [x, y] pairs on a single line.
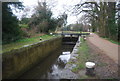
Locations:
{"points": [[10, 28]]}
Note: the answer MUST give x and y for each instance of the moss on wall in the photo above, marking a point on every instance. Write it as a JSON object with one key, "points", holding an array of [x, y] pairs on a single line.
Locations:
{"points": [[17, 61]]}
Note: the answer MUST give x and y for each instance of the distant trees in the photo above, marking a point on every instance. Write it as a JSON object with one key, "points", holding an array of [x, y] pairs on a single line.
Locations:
{"points": [[10, 28], [76, 27], [42, 19], [102, 16], [24, 20], [61, 21]]}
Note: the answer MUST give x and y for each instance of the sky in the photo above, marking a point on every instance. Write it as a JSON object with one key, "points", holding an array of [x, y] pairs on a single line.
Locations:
{"points": [[58, 7]]}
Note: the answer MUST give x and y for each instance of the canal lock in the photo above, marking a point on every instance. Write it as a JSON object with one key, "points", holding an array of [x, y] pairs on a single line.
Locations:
{"points": [[53, 65]]}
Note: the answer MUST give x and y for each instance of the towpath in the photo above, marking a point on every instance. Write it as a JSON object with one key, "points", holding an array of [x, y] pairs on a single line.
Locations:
{"points": [[110, 49]]}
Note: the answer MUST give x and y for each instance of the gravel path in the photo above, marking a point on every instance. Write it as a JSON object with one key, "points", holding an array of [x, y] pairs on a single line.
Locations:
{"points": [[106, 68], [107, 47]]}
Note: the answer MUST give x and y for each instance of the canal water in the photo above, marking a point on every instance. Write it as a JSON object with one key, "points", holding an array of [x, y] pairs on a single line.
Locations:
{"points": [[51, 66]]}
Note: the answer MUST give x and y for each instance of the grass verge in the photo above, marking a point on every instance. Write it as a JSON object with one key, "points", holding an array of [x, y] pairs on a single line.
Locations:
{"points": [[114, 41], [83, 55], [26, 41]]}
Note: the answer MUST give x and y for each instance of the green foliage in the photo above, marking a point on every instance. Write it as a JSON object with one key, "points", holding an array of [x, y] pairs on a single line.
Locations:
{"points": [[113, 41], [42, 19], [52, 24], [24, 20], [78, 67], [23, 26], [10, 28]]}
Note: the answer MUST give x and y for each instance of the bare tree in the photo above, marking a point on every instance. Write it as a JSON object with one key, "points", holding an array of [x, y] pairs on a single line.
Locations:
{"points": [[101, 16]]}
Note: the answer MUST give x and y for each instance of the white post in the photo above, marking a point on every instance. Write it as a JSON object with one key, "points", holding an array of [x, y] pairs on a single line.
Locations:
{"points": [[90, 66]]}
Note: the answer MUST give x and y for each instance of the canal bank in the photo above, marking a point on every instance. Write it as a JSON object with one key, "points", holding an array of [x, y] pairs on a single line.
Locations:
{"points": [[18, 61]]}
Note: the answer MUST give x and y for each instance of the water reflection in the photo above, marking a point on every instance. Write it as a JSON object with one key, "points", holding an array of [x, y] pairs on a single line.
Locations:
{"points": [[51, 66]]}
